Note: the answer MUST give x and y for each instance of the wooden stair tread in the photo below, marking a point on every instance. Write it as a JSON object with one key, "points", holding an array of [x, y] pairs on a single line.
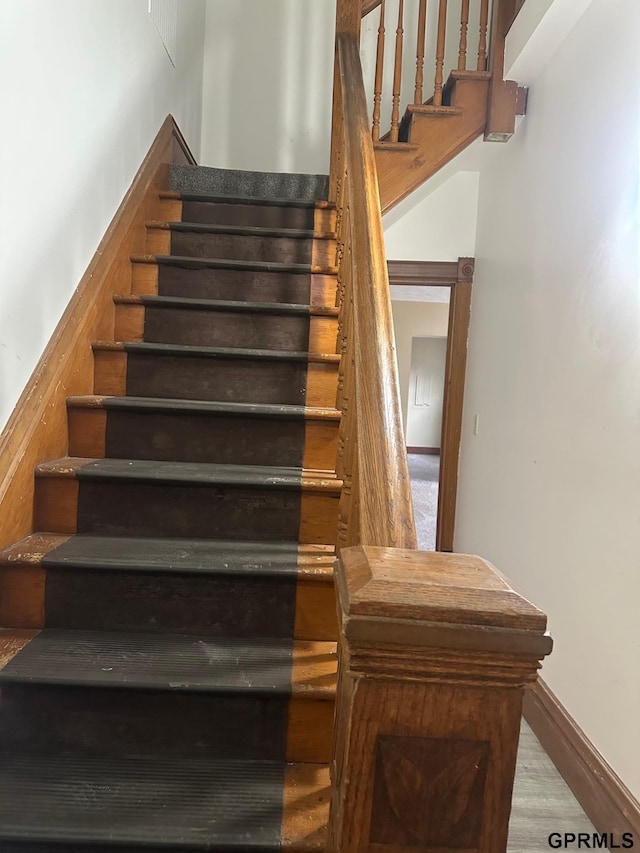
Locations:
{"points": [[243, 230], [187, 663], [222, 263], [214, 352], [382, 145], [172, 555], [152, 802], [468, 74], [276, 308], [202, 473], [431, 110], [203, 407], [247, 200]]}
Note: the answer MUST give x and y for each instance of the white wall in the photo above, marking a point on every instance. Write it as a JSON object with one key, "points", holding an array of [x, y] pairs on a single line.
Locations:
{"points": [[86, 87], [268, 85], [550, 488], [435, 224], [415, 319]]}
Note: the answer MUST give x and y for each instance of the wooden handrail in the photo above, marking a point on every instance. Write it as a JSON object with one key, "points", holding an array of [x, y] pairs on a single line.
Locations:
{"points": [[377, 90], [382, 514]]}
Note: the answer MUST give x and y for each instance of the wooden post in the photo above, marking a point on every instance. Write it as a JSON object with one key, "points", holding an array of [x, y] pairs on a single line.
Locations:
{"points": [[464, 27], [482, 41], [440, 44], [503, 94], [435, 650], [422, 33], [377, 87], [397, 75]]}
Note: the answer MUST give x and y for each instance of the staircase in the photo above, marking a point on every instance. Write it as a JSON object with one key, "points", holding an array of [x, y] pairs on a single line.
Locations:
{"points": [[473, 100], [430, 136], [169, 681]]}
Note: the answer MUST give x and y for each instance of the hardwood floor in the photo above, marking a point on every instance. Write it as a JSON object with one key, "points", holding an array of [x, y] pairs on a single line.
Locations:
{"points": [[542, 801]]}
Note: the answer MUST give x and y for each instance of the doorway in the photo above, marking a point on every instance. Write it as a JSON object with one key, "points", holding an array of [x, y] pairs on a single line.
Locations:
{"points": [[423, 432], [428, 281]]}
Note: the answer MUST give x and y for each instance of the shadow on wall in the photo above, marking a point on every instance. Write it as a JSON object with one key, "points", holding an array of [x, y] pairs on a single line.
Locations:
{"points": [[268, 85]]}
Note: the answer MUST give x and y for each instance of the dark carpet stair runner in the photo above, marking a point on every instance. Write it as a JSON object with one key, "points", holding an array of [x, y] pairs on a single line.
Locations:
{"points": [[168, 682]]}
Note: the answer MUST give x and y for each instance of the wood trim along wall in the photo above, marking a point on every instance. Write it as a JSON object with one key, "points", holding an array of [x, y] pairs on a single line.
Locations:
{"points": [[518, 4], [369, 6], [454, 375], [426, 273], [428, 451], [36, 430], [458, 276], [610, 806]]}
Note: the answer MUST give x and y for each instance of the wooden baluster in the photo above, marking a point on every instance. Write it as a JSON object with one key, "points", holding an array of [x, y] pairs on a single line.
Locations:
{"points": [[442, 32], [377, 93], [482, 44], [422, 29], [397, 75], [464, 27]]}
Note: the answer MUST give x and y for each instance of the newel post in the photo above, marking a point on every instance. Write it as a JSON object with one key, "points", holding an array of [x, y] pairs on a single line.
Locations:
{"points": [[435, 652]]}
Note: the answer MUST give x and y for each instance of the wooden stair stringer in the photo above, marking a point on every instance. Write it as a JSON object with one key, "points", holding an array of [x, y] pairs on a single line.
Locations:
{"points": [[439, 139]]}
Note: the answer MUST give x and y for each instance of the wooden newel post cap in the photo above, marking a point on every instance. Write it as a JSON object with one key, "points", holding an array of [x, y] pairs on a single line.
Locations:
{"points": [[392, 598]]}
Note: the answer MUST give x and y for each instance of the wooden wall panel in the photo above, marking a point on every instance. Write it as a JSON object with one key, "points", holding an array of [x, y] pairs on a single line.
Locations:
{"points": [[37, 429]]}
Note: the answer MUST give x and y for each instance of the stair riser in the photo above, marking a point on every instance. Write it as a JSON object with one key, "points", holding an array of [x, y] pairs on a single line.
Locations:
{"points": [[112, 722], [263, 216], [115, 433], [22, 596], [130, 508], [103, 721], [188, 604], [229, 380], [176, 604], [23, 590], [319, 219], [225, 328], [316, 612], [241, 247], [250, 285]]}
